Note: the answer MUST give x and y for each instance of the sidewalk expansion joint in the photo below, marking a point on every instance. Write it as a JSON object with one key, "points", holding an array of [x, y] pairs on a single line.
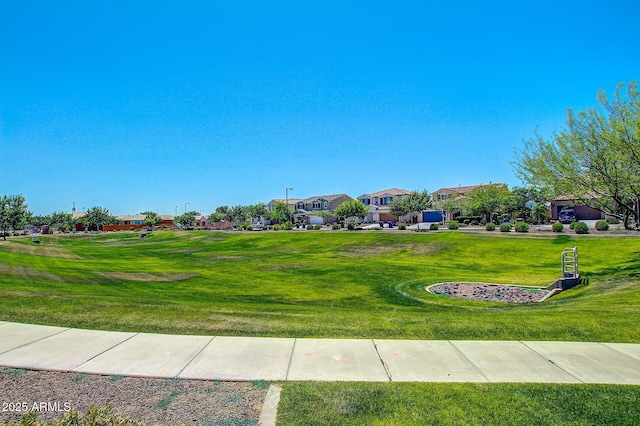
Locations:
{"points": [[463, 355], [293, 348], [106, 350], [384, 364], [194, 357], [551, 361], [35, 341]]}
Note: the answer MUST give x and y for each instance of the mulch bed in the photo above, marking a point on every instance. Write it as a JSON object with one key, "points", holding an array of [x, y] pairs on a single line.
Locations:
{"points": [[152, 401]]}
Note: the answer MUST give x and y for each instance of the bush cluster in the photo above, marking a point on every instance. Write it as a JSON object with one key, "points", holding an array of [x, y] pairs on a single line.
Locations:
{"points": [[522, 227], [602, 225], [433, 227], [557, 227], [581, 228], [351, 226], [490, 226], [468, 219], [505, 227], [335, 226], [572, 225], [314, 227], [402, 226], [453, 224]]}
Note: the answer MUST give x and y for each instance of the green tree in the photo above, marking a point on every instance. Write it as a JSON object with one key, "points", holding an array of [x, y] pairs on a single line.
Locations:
{"points": [[62, 221], [487, 200], [187, 220], [13, 213], [450, 206], [257, 210], [351, 208], [415, 201], [238, 213], [151, 218], [595, 160], [522, 195], [99, 216], [279, 214]]}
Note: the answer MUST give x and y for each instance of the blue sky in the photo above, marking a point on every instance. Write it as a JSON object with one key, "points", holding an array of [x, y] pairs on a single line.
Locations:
{"points": [[150, 105]]}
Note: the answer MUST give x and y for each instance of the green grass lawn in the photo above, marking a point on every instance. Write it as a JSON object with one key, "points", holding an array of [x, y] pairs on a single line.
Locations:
{"points": [[345, 284], [319, 284], [405, 404]]}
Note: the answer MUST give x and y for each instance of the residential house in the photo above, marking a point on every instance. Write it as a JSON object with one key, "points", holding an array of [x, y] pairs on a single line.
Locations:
{"points": [[458, 194], [582, 212], [271, 205], [310, 210], [379, 204]]}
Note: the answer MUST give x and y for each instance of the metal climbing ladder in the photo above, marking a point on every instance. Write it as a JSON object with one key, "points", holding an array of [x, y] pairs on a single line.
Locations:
{"points": [[570, 263]]}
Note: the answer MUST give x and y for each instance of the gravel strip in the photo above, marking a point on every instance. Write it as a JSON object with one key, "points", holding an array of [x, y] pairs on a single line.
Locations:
{"points": [[490, 292], [152, 401]]}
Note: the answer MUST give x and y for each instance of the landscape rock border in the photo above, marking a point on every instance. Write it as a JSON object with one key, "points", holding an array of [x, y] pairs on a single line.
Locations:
{"points": [[489, 292]]}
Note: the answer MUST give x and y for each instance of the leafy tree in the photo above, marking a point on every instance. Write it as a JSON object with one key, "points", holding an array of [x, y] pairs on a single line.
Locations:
{"points": [[216, 217], [279, 214], [13, 213], [187, 220], [522, 195], [99, 216], [256, 210], [62, 221], [238, 213], [489, 199], [451, 206], [595, 160], [351, 208], [40, 220], [151, 218], [416, 201], [222, 213]]}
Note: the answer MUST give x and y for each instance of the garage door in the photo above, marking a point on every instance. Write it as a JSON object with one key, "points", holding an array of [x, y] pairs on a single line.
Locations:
{"points": [[316, 220]]}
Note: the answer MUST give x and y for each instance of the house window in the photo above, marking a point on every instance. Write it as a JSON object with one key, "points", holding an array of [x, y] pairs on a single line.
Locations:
{"points": [[316, 205], [326, 205], [300, 206], [366, 201]]}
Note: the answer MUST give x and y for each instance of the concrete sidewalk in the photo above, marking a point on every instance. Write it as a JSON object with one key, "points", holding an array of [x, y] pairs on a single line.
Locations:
{"points": [[282, 359]]}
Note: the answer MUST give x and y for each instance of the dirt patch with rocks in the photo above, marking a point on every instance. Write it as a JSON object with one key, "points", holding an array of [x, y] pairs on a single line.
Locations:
{"points": [[487, 292], [152, 401]]}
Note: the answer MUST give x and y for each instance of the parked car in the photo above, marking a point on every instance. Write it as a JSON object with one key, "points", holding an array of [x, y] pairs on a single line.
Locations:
{"points": [[567, 216]]}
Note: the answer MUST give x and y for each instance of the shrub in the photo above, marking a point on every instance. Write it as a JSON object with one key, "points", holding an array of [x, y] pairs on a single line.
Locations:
{"points": [[475, 223], [351, 226], [453, 224], [557, 227], [402, 226], [505, 227], [522, 227], [466, 221], [335, 226], [490, 226], [613, 221], [287, 226], [602, 225], [433, 227], [572, 225], [463, 219], [581, 228]]}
